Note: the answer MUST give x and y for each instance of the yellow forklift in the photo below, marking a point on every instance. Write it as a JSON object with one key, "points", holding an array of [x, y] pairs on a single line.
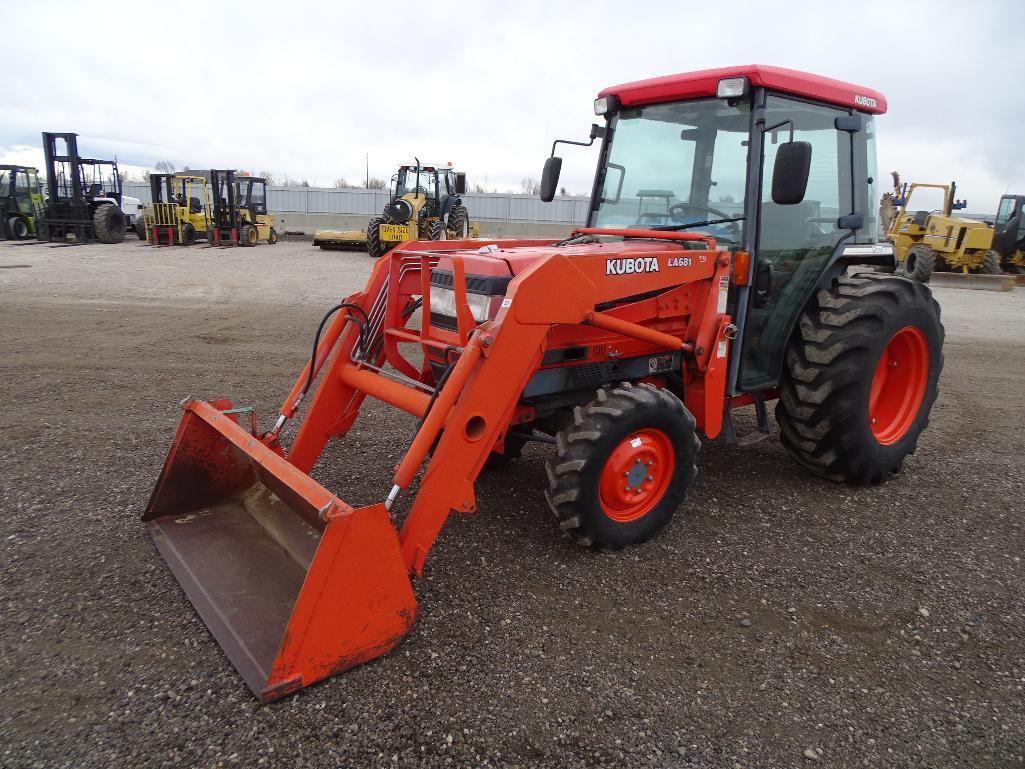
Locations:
{"points": [[928, 240], [179, 213], [240, 216], [425, 204]]}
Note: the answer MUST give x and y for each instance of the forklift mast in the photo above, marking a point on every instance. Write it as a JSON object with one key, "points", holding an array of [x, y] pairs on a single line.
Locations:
{"points": [[57, 187]]}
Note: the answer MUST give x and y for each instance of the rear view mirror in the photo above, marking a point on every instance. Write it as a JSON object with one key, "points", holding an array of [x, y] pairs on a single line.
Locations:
{"points": [[790, 173], [460, 183], [550, 178]]}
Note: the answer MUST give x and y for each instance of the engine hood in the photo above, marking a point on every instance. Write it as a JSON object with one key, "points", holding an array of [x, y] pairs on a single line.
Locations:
{"points": [[511, 260]]}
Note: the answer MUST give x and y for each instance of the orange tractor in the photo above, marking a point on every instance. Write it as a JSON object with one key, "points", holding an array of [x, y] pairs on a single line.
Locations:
{"points": [[618, 346]]}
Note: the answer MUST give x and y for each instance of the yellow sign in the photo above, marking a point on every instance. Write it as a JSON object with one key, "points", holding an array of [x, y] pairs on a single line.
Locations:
{"points": [[394, 232]]}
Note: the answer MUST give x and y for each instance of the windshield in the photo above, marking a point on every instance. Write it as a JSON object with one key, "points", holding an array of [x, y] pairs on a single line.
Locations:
{"points": [[676, 164], [5, 183], [407, 182]]}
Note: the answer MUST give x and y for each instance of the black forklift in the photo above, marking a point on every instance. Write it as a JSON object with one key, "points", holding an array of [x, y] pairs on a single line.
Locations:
{"points": [[20, 196], [83, 195]]}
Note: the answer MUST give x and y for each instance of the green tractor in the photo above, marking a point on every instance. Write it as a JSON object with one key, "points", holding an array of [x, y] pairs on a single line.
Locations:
{"points": [[20, 196]]}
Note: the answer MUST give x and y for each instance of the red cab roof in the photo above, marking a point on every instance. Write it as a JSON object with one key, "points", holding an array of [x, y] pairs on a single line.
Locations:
{"points": [[692, 85]]}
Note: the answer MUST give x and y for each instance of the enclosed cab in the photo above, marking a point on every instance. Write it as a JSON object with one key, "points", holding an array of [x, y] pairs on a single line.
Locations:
{"points": [[20, 197], [1009, 233]]}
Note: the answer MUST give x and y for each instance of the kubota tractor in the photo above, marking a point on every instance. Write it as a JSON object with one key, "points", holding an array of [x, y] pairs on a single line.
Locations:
{"points": [[618, 348]]}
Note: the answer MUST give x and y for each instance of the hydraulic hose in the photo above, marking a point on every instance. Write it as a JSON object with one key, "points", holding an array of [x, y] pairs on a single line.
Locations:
{"points": [[363, 323]]}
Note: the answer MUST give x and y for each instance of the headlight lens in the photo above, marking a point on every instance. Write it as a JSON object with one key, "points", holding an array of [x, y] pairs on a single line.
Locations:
{"points": [[731, 87], [443, 302]]}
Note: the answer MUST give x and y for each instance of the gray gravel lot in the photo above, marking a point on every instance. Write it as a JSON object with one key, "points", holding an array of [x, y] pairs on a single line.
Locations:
{"points": [[780, 621]]}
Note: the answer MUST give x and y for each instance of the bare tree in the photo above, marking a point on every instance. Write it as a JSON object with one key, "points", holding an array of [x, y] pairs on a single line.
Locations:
{"points": [[165, 167], [530, 186], [375, 184], [269, 178], [340, 183], [562, 191]]}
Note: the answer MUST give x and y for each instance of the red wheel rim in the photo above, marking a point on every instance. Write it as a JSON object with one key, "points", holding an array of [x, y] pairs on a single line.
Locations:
{"points": [[898, 385], [636, 475]]}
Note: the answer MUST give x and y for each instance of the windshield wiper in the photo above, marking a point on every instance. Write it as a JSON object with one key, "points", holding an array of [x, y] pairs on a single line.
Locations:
{"points": [[675, 227]]}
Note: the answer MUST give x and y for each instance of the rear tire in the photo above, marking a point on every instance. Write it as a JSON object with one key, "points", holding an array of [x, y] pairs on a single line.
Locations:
{"points": [[459, 222], [621, 469], [109, 223], [991, 264], [374, 247], [188, 234], [437, 231], [140, 228], [17, 227], [861, 377], [248, 236], [919, 263], [272, 236]]}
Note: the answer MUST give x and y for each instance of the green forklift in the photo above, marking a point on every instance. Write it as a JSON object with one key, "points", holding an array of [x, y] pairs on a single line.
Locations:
{"points": [[20, 196]]}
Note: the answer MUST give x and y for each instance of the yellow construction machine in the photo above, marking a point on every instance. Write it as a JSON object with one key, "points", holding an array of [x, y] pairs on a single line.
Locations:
{"points": [[928, 240], [179, 211], [1009, 233], [425, 204]]}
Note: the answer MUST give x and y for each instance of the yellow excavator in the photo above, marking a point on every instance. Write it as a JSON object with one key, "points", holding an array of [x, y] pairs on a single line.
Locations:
{"points": [[425, 204]]}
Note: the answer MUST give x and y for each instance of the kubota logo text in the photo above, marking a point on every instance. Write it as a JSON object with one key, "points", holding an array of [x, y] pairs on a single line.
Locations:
{"points": [[865, 101], [630, 266]]}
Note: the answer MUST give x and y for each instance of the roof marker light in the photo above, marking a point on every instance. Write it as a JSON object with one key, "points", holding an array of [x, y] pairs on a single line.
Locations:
{"points": [[731, 87]]}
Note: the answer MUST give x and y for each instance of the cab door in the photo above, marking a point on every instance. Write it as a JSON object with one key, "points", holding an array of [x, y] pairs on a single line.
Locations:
{"points": [[793, 243]]}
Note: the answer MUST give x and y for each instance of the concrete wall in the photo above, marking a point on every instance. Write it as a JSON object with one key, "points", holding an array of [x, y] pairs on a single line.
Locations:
{"points": [[308, 223]]}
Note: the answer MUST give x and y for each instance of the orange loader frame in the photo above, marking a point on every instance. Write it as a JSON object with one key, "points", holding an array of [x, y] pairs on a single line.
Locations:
{"points": [[296, 584]]}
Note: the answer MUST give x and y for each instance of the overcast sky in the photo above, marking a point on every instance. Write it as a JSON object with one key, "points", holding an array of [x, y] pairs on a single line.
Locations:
{"points": [[306, 89]]}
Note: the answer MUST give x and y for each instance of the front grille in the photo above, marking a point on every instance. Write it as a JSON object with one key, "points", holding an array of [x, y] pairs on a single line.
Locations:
{"points": [[446, 322]]}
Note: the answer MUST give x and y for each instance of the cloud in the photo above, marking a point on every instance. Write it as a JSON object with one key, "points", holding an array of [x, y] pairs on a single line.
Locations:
{"points": [[309, 89]]}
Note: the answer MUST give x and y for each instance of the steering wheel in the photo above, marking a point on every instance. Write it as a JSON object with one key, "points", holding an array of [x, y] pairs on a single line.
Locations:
{"points": [[421, 191], [676, 211]]}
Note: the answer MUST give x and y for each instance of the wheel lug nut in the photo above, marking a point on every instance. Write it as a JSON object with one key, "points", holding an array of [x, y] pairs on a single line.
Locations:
{"points": [[650, 478]]}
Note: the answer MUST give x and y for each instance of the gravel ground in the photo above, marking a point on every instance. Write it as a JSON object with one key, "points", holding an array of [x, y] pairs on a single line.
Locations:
{"points": [[780, 621]]}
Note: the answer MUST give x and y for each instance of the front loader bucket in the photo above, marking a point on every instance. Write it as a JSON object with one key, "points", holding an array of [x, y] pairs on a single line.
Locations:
{"points": [[291, 599]]}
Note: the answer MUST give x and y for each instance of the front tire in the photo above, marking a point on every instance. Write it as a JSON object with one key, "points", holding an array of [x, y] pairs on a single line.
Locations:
{"points": [[459, 222], [109, 223], [919, 263], [991, 264], [375, 249], [621, 469], [18, 228], [862, 370], [249, 236], [437, 231]]}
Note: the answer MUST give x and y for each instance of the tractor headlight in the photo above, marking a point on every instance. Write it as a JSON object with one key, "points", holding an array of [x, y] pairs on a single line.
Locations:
{"points": [[731, 87], [605, 105], [443, 302]]}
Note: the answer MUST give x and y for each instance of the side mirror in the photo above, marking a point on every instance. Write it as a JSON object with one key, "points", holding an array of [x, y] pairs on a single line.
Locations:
{"points": [[460, 183], [790, 173], [550, 178]]}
